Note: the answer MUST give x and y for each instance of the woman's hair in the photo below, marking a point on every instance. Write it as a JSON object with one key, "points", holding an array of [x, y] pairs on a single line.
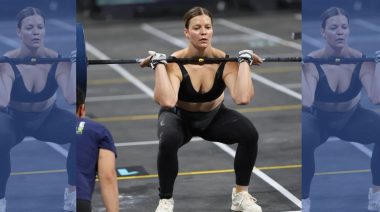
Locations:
{"points": [[195, 11], [332, 11], [28, 11]]}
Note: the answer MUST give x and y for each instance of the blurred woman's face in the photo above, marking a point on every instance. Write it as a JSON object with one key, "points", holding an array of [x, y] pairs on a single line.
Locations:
{"points": [[32, 31], [336, 31], [200, 31]]}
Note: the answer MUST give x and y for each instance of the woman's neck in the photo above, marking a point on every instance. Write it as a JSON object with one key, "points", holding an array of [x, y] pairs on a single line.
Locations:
{"points": [[192, 51], [30, 52], [335, 52]]}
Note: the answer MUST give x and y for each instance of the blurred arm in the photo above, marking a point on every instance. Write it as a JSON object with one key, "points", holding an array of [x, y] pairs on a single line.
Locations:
{"points": [[108, 180]]}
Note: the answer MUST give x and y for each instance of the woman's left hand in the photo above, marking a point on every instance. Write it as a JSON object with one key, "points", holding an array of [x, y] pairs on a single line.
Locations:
{"points": [[249, 57]]}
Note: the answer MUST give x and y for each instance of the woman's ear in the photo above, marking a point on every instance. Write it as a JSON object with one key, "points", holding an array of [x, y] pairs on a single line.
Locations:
{"points": [[186, 33], [323, 34], [18, 32]]}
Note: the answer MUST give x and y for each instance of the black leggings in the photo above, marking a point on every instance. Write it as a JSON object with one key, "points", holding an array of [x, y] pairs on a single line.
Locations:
{"points": [[54, 125], [83, 205], [176, 127], [359, 125]]}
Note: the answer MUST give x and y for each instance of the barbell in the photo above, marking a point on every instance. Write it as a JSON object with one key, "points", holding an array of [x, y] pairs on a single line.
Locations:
{"points": [[82, 62]]}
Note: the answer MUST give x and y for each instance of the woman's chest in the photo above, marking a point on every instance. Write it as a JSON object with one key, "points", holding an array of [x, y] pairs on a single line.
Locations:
{"points": [[339, 77], [34, 77]]}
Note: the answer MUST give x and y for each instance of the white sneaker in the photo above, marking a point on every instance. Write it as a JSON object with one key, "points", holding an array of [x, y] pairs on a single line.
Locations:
{"points": [[373, 200], [306, 203], [3, 204], [165, 205], [69, 202], [243, 201]]}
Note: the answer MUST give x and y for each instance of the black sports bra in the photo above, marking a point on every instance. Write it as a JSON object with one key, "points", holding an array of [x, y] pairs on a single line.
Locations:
{"points": [[188, 94], [21, 94], [324, 93]]}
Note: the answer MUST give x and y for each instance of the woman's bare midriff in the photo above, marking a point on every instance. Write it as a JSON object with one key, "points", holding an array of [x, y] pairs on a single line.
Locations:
{"points": [[202, 106], [339, 106], [34, 106]]}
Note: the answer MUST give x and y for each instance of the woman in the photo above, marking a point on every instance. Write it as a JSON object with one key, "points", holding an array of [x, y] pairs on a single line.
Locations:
{"points": [[27, 99], [191, 99], [331, 101]]}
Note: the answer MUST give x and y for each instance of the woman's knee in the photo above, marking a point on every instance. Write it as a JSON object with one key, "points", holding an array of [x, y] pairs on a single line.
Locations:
{"points": [[7, 132], [250, 136], [170, 140]]}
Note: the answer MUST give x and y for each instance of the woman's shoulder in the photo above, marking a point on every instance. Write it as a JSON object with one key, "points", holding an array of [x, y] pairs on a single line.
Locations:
{"points": [[316, 54], [218, 53], [179, 54], [12, 53], [50, 53], [354, 53]]}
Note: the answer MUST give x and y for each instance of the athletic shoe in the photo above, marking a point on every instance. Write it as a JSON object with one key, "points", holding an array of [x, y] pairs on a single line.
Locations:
{"points": [[373, 200], [306, 203], [3, 204], [69, 200], [243, 201], [165, 205]]}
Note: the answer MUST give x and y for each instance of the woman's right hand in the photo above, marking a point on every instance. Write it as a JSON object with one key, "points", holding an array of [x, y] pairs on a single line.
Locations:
{"points": [[153, 60], [145, 62]]}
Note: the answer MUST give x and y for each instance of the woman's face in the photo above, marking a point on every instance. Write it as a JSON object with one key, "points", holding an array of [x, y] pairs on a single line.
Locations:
{"points": [[336, 31], [32, 31], [200, 31]]}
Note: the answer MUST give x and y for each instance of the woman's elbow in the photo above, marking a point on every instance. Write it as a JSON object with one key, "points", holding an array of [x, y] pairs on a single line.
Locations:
{"points": [[243, 100], [166, 102]]}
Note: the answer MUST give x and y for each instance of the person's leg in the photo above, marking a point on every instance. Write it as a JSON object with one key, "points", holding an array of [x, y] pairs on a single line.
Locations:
{"points": [[10, 135], [172, 134], [363, 127], [230, 127], [311, 139], [83, 206], [59, 127]]}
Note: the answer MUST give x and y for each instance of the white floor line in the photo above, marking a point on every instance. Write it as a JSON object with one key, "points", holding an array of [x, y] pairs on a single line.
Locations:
{"points": [[149, 92], [145, 143], [257, 33], [9, 41], [312, 41], [367, 25], [54, 146], [359, 146]]}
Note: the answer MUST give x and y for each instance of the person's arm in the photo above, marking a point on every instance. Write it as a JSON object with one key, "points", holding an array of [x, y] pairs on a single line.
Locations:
{"points": [[167, 83], [309, 79], [6, 81], [66, 78], [108, 180], [239, 82]]}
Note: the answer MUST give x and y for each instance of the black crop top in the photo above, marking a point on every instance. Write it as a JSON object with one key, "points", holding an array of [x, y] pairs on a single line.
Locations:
{"points": [[188, 94], [324, 93], [21, 94]]}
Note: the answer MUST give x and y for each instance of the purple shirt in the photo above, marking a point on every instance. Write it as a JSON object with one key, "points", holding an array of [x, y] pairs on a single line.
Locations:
{"points": [[90, 137]]}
